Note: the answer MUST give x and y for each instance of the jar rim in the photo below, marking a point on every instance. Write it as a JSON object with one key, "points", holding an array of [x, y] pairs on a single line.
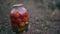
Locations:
{"points": [[17, 5]]}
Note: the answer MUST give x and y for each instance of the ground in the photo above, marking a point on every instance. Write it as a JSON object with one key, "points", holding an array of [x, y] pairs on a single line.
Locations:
{"points": [[40, 22]]}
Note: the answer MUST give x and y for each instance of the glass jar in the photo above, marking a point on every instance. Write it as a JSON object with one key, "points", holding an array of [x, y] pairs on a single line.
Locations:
{"points": [[19, 18]]}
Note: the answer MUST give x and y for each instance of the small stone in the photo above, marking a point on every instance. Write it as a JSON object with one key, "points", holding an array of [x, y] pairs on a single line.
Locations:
{"points": [[45, 28], [37, 30]]}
